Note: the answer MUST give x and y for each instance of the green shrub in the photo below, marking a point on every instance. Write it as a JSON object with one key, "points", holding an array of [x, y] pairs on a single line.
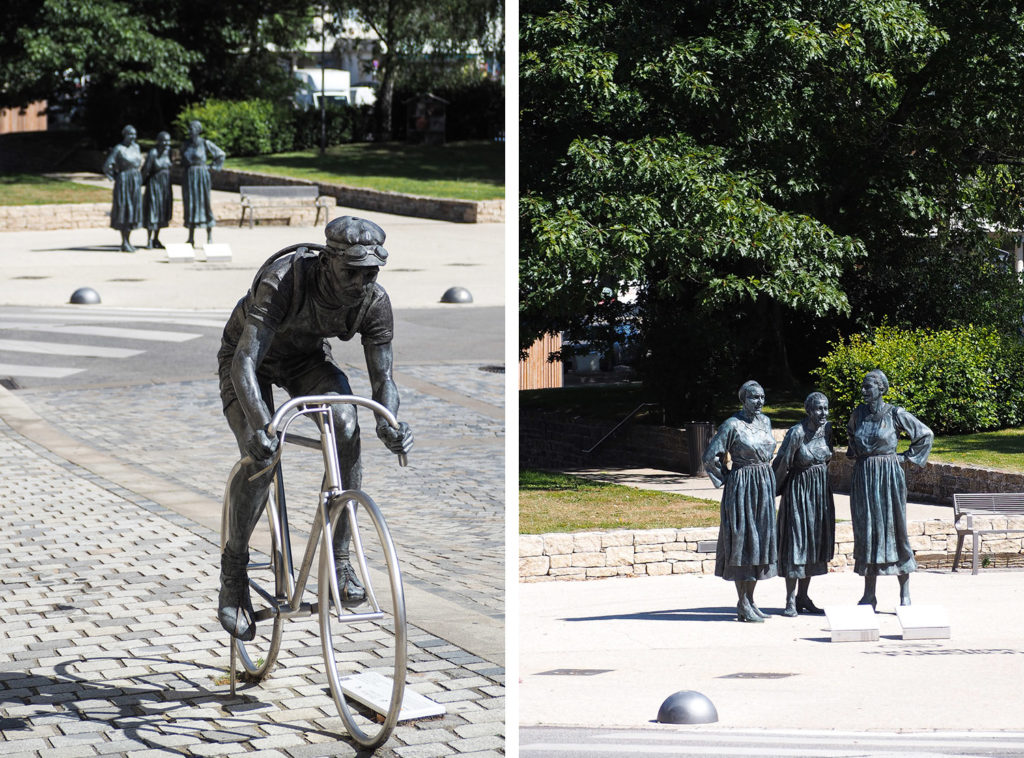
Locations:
{"points": [[956, 381], [1008, 376], [244, 127]]}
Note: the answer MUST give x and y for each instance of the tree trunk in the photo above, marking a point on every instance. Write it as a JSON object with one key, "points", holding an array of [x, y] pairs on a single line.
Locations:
{"points": [[382, 110], [782, 356]]}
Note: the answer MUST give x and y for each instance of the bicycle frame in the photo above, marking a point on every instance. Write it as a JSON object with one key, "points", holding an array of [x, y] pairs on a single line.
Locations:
{"points": [[335, 502], [289, 602]]}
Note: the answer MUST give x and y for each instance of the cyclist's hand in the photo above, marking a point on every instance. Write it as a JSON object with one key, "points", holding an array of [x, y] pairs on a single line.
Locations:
{"points": [[261, 445], [396, 440]]}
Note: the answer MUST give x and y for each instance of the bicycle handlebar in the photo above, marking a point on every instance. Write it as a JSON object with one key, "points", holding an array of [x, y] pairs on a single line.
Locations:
{"points": [[313, 400]]}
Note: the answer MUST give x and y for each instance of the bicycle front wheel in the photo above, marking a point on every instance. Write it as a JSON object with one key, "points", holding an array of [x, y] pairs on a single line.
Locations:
{"points": [[371, 637], [259, 655]]}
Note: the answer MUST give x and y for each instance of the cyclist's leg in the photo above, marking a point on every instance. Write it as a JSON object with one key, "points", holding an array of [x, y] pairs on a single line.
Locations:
{"points": [[326, 378], [234, 606]]}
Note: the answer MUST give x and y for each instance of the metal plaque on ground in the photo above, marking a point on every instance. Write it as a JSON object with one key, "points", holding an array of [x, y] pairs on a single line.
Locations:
{"points": [[923, 622], [180, 252], [852, 623], [374, 691], [215, 252]]}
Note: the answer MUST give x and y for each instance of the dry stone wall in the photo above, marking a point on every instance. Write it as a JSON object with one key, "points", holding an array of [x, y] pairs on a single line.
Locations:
{"points": [[552, 440], [36, 218], [936, 482], [461, 211], [97, 215], [659, 552]]}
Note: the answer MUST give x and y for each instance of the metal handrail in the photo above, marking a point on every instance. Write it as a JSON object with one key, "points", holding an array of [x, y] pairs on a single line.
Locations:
{"points": [[616, 428]]}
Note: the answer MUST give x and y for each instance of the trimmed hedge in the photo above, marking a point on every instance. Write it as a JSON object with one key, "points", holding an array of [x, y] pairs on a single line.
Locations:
{"points": [[957, 381]]}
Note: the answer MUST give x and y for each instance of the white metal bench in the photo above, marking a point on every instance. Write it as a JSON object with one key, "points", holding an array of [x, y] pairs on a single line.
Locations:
{"points": [[985, 505], [274, 197]]}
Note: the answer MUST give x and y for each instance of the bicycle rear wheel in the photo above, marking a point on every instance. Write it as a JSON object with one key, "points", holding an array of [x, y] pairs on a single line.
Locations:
{"points": [[370, 639], [259, 655]]}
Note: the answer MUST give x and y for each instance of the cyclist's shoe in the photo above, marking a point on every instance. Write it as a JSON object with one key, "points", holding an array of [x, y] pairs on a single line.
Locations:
{"points": [[234, 607], [349, 586]]}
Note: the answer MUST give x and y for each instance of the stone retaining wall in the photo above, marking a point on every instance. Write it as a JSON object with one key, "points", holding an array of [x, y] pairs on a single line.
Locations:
{"points": [[97, 215], [462, 211], [552, 440], [659, 552], [936, 482], [36, 218]]}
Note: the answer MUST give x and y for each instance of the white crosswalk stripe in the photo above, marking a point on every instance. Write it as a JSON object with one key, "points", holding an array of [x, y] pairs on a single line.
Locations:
{"points": [[155, 335], [66, 348], [207, 320], [100, 330], [45, 372]]}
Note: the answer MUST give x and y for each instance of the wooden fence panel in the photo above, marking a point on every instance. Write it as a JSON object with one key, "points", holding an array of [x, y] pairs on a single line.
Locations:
{"points": [[31, 118], [537, 372]]}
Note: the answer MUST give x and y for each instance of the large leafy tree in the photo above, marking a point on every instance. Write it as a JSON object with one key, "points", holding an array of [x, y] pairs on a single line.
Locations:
{"points": [[764, 171], [143, 60], [47, 46]]}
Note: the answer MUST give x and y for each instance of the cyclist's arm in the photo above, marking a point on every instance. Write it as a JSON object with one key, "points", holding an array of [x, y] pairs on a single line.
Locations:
{"points": [[249, 354], [379, 359], [378, 365]]}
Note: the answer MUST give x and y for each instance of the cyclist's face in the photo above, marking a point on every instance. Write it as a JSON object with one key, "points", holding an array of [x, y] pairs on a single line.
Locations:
{"points": [[350, 283]]}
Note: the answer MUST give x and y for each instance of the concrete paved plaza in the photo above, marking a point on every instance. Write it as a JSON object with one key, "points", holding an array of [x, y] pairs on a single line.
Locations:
{"points": [[111, 497]]}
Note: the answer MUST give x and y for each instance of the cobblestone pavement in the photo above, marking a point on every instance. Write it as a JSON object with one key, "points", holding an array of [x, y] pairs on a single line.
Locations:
{"points": [[109, 643], [445, 510]]}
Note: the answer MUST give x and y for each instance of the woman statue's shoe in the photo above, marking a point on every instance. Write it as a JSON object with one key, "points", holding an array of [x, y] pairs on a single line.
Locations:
{"points": [[790, 608], [804, 605], [746, 613]]}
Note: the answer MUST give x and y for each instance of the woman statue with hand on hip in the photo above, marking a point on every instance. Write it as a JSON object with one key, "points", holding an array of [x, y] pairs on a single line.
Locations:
{"points": [[195, 187], [878, 491]]}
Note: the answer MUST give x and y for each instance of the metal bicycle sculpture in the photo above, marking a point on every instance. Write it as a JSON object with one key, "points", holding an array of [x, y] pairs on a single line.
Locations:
{"points": [[285, 598]]}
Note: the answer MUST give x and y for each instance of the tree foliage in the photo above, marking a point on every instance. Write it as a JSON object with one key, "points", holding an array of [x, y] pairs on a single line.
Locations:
{"points": [[46, 46], [142, 61], [764, 170], [411, 31]]}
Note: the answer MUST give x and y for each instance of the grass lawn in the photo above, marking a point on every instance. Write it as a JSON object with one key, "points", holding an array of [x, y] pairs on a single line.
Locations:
{"points": [[32, 189], [1000, 449], [551, 502], [463, 170], [558, 503]]}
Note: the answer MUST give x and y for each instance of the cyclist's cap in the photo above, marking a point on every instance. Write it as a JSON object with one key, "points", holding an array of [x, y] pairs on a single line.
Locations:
{"points": [[359, 241]]}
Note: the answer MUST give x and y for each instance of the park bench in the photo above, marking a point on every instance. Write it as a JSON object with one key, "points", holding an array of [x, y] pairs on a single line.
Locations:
{"points": [[277, 198], [985, 505]]}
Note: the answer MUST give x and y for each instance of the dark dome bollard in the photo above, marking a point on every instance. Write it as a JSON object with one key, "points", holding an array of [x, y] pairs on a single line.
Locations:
{"points": [[687, 707], [85, 296], [456, 295]]}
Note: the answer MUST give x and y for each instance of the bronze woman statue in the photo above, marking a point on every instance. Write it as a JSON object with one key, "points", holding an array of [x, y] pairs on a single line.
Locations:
{"points": [[195, 188], [122, 165], [746, 537], [878, 492], [158, 202], [807, 512]]}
